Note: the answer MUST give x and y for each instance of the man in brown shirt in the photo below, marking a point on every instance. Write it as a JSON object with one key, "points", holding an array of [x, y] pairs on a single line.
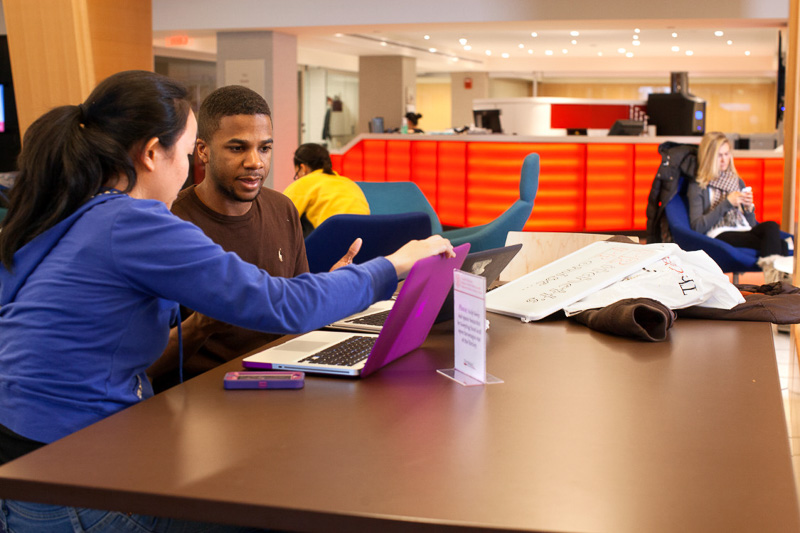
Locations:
{"points": [[234, 209]]}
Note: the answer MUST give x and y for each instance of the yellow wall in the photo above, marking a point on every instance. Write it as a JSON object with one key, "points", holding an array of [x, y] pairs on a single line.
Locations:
{"points": [[731, 106], [434, 104]]}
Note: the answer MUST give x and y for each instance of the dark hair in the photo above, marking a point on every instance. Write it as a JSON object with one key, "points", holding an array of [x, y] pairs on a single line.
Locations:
{"points": [[225, 102], [413, 118], [315, 156], [71, 152]]}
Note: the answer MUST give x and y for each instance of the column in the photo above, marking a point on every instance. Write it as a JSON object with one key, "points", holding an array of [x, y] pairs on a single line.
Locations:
{"points": [[387, 87], [266, 62], [466, 87], [61, 49]]}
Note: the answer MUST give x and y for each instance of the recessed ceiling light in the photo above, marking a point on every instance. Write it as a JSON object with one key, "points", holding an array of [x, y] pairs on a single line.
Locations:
{"points": [[467, 47], [718, 33], [676, 48], [338, 34], [564, 50], [530, 51], [383, 43], [505, 56], [730, 42], [455, 59], [689, 53], [574, 33], [600, 53], [636, 43], [629, 54], [548, 52], [674, 34], [534, 34], [522, 46], [573, 41], [432, 50], [621, 50], [488, 52], [427, 37], [637, 30], [462, 42], [747, 52], [635, 37]]}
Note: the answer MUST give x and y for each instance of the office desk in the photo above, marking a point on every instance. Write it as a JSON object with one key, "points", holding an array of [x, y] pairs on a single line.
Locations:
{"points": [[589, 432]]}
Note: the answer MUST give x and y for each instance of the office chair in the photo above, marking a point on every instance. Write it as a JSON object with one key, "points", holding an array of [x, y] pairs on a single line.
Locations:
{"points": [[392, 197], [381, 235]]}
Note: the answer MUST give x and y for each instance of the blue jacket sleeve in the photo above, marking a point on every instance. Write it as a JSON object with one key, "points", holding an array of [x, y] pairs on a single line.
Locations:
{"points": [[167, 257]]}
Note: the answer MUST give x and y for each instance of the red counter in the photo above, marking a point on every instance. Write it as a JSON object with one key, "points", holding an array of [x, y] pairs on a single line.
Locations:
{"points": [[594, 184]]}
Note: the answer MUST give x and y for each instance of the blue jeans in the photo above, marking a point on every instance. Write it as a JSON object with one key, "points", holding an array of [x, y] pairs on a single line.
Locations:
{"points": [[24, 517]]}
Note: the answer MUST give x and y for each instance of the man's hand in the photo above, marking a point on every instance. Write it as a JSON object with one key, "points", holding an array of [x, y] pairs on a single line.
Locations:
{"points": [[348, 257]]}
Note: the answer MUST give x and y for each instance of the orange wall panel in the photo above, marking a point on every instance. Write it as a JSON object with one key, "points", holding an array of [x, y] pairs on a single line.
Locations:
{"points": [[451, 192], [374, 160], [646, 161], [492, 179], [561, 198], [773, 190], [609, 186], [423, 169], [353, 162], [398, 161]]}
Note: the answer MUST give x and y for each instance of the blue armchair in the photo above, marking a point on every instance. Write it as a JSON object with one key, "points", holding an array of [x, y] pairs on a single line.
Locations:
{"points": [[729, 258], [493, 234], [391, 198], [381, 235]]}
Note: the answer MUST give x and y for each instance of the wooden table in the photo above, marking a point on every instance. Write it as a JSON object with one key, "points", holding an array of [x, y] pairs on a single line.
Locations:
{"points": [[589, 432]]}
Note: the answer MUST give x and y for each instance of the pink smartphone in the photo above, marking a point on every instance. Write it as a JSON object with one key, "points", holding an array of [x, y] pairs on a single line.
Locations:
{"points": [[264, 380]]}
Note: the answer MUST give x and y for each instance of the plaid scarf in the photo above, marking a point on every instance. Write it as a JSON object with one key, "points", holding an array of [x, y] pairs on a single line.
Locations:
{"points": [[719, 188]]}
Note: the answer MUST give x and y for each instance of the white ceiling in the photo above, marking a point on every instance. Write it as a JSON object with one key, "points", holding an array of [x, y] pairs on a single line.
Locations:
{"points": [[740, 52]]}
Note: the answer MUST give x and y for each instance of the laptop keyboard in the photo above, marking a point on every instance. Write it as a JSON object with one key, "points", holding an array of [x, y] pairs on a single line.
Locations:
{"points": [[348, 352], [375, 319]]}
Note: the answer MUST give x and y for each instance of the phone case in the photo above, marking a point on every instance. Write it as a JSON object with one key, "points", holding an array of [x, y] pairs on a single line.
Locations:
{"points": [[264, 380]]}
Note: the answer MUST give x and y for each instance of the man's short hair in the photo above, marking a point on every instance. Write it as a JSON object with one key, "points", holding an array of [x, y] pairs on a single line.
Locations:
{"points": [[227, 101]]}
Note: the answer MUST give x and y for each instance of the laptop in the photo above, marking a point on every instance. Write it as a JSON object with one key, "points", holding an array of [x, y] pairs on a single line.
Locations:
{"points": [[353, 354], [486, 263]]}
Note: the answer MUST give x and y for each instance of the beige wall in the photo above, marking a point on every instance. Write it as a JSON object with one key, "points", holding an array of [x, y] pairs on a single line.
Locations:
{"points": [[734, 106], [510, 88], [462, 97], [386, 85]]}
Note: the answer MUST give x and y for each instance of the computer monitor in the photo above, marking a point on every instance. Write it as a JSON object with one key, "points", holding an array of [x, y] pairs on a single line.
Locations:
{"points": [[627, 127], [376, 125], [488, 119]]}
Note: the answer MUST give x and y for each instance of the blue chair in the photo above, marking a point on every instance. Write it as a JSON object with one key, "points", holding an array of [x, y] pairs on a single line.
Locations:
{"points": [[391, 198], [729, 258], [493, 234], [381, 235]]}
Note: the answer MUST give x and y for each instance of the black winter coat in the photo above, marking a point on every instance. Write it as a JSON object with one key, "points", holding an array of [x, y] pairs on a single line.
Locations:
{"points": [[676, 160]]}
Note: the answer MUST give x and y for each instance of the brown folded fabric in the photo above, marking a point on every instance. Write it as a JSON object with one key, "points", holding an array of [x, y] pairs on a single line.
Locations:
{"points": [[776, 302], [642, 318]]}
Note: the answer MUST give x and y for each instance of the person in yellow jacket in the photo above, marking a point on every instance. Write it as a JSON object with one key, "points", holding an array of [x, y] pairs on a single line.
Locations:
{"points": [[318, 192]]}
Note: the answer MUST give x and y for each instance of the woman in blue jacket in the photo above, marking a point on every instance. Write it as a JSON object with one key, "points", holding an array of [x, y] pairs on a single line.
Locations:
{"points": [[94, 265]]}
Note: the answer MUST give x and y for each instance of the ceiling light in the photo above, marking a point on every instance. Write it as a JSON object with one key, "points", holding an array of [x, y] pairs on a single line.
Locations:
{"points": [[629, 54], [467, 47], [689, 53], [621, 50], [534, 34], [674, 34], [550, 52], [676, 48], [432, 50], [462, 42], [635, 37], [730, 42], [564, 50], [574, 33], [488, 52], [455, 59], [636, 43], [505, 56], [718, 33], [600, 53], [427, 37], [637, 30], [747, 52], [573, 41], [530, 51], [383, 43], [338, 34], [522, 46]]}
